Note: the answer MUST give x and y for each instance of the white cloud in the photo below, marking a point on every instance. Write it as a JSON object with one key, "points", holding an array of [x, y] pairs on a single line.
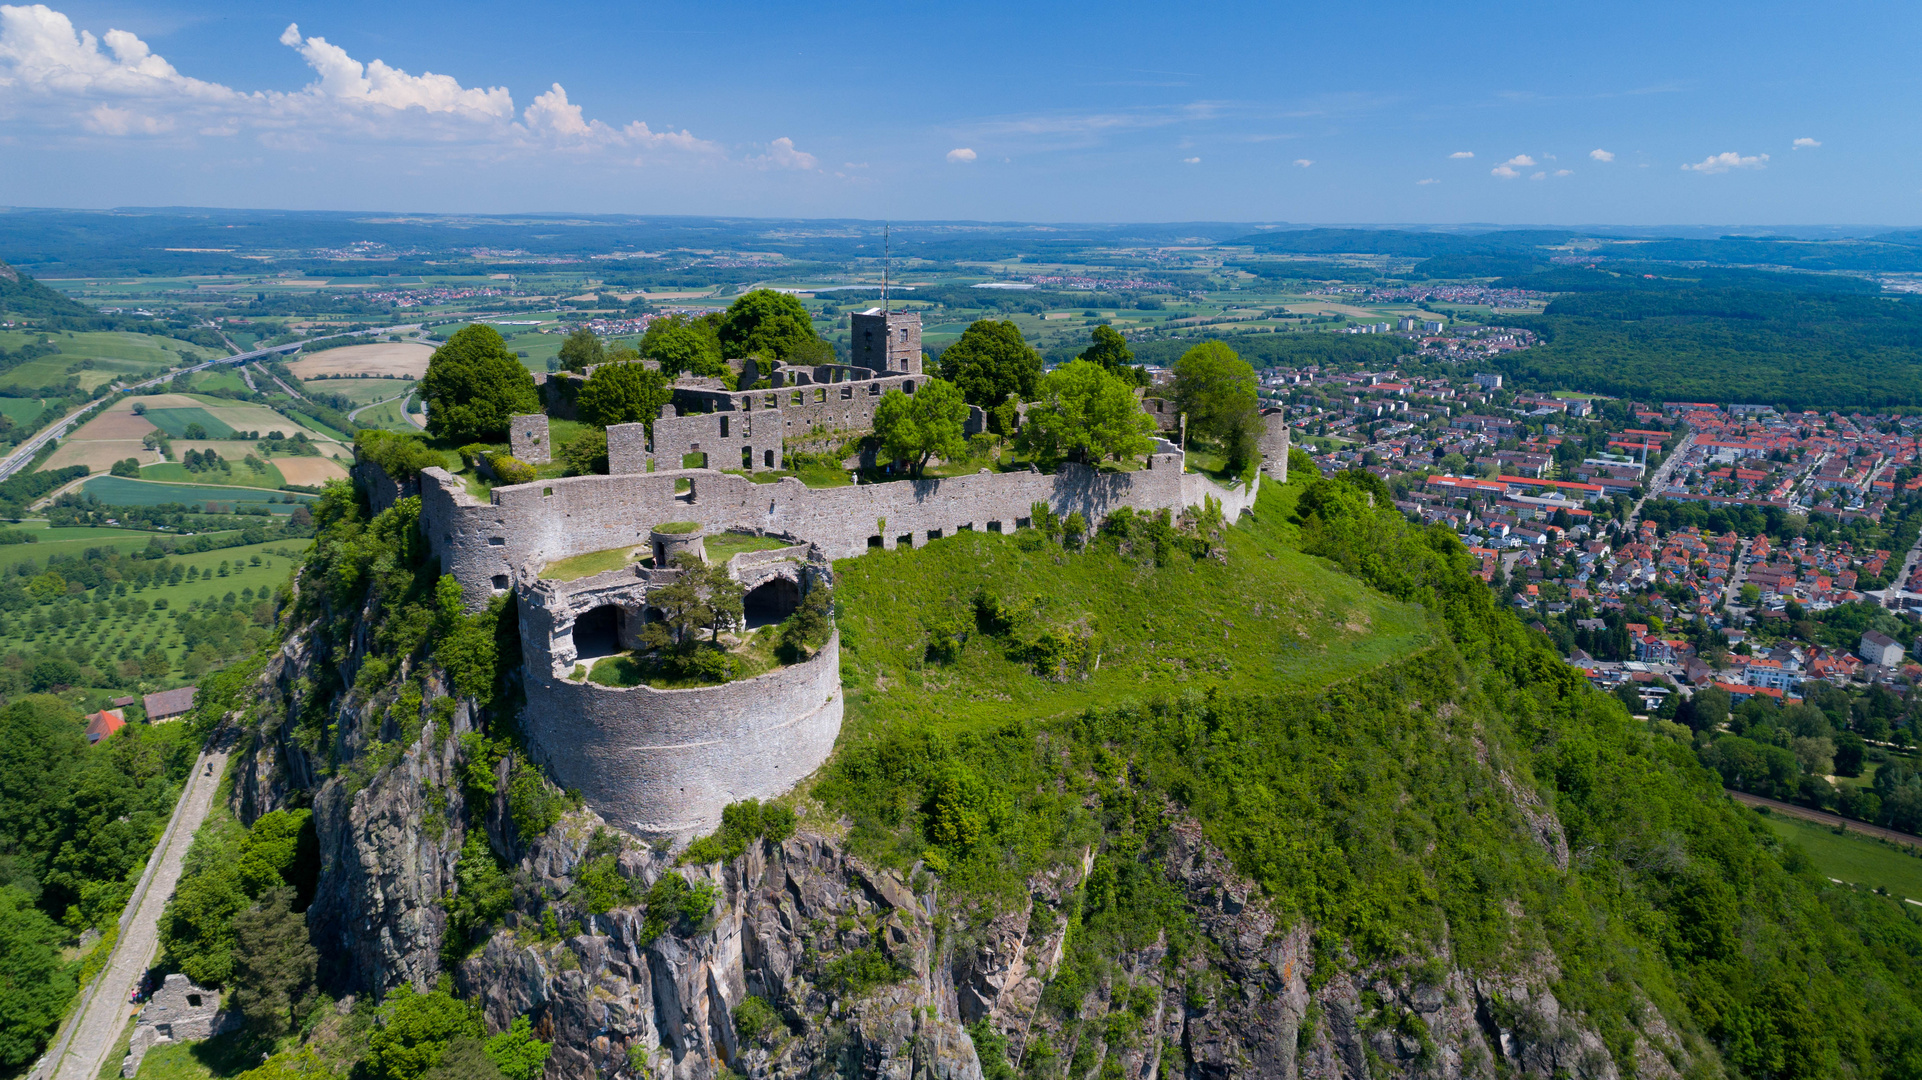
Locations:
{"points": [[375, 83], [1726, 160], [1303, 162], [1539, 176], [1520, 161], [961, 154], [1806, 144], [1191, 161], [781, 154], [1462, 154], [1564, 172], [1601, 155], [1430, 180], [59, 79]]}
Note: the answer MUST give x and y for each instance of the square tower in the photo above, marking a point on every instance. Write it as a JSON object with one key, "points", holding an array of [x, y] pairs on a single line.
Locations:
{"points": [[887, 341]]}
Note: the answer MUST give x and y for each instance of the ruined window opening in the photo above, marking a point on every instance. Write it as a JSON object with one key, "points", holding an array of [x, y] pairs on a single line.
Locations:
{"points": [[723, 427], [904, 333], [500, 583], [876, 541], [874, 390], [820, 393], [847, 392], [597, 632], [994, 526], [497, 541], [747, 457], [770, 602], [966, 527], [193, 1001], [907, 386], [545, 492], [934, 534], [695, 460], [796, 400], [1023, 523], [905, 540], [767, 457], [770, 402]]}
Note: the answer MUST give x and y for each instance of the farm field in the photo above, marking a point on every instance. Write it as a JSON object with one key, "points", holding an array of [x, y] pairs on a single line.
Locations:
{"points": [[391, 357], [22, 410], [359, 391], [1852, 857], [125, 491], [112, 355], [390, 416], [310, 471], [241, 476], [111, 629]]}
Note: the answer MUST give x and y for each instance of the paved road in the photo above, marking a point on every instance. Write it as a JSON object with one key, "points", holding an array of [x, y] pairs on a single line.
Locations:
{"points": [[1898, 587], [371, 404], [1654, 484], [1824, 818], [88, 1037]]}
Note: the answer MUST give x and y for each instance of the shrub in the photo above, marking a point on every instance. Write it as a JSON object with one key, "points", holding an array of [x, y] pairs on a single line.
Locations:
{"points": [[508, 469], [742, 823]]}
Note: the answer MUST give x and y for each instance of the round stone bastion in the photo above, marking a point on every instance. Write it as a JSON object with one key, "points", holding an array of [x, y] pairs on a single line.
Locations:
{"points": [[661, 764], [670, 540]]}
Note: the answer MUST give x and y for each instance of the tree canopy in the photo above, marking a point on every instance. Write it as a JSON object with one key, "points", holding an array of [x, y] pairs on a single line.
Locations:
{"points": [[581, 350], [927, 423], [623, 393], [474, 383], [1216, 389], [991, 363], [1085, 413], [768, 324], [682, 344], [1110, 349]]}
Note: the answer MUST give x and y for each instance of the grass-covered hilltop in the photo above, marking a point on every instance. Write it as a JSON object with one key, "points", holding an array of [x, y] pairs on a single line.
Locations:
{"points": [[1286, 796]]}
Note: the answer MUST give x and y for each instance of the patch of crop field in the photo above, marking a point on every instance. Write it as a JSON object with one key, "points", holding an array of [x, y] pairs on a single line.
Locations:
{"points": [[389, 416], [98, 454], [126, 491], [1853, 857], [220, 378], [115, 423], [384, 358], [310, 471], [146, 349], [1270, 618], [69, 540], [178, 422], [22, 410], [267, 476], [359, 391]]}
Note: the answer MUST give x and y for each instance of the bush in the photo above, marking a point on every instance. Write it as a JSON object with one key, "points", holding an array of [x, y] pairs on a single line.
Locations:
{"points": [[508, 469], [742, 823], [401, 457], [587, 454]]}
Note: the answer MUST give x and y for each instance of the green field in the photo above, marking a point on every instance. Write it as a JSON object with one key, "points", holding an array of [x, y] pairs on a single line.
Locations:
{"points": [[391, 416], [124, 491], [174, 422], [242, 476], [113, 355], [220, 378], [1292, 622], [1853, 857], [122, 631], [69, 540], [359, 391], [22, 410]]}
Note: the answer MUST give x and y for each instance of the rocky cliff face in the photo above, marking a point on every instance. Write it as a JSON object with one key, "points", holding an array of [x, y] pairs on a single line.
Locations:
{"points": [[807, 962]]}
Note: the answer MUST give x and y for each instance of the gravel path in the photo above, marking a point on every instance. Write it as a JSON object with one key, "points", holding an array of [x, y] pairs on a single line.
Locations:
{"points": [[84, 1043]]}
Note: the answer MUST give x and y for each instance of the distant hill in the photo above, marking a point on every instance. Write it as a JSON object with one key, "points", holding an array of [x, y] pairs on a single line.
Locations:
{"points": [[22, 296]]}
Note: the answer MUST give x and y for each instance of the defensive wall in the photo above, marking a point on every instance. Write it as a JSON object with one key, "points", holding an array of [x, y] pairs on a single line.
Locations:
{"points": [[490, 547]]}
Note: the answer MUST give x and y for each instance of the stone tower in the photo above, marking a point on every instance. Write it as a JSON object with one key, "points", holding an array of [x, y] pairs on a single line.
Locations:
{"points": [[887, 341]]}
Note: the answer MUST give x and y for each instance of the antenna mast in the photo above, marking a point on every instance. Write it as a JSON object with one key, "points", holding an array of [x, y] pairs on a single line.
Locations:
{"points": [[887, 262]]}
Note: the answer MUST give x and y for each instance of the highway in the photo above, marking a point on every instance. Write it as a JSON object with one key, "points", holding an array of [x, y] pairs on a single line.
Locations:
{"points": [[23, 454]]}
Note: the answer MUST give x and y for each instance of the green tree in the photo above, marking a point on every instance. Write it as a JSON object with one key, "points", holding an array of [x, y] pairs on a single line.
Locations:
{"points": [[1085, 413], [724, 597], [683, 608], [274, 965], [768, 324], [1705, 710], [34, 984], [1216, 389], [1110, 349], [126, 467], [581, 350], [413, 1029], [624, 394], [517, 1053], [681, 344], [922, 425], [473, 384], [586, 454], [992, 363]]}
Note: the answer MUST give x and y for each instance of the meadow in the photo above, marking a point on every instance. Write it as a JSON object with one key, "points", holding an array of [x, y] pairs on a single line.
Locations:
{"points": [[1852, 857], [359, 391], [112, 355], [126, 491]]}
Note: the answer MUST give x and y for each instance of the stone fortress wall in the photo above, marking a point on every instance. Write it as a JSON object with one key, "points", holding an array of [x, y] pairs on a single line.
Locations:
{"points": [[662, 763]]}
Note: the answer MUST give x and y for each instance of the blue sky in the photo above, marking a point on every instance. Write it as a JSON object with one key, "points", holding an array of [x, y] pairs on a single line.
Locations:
{"points": [[1574, 113]]}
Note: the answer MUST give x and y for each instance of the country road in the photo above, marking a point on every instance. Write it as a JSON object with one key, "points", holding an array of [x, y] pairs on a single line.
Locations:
{"points": [[1821, 817], [89, 1036]]}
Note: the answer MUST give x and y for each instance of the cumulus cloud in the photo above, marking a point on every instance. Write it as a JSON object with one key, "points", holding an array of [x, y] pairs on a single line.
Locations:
{"points": [[59, 78], [1806, 144], [1601, 155], [1303, 162], [1539, 176], [1564, 172], [1510, 169], [1462, 154], [781, 154], [1430, 180], [961, 155], [1191, 161], [1726, 160], [1504, 172]]}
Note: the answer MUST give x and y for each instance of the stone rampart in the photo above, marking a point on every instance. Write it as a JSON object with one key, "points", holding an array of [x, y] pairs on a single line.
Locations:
{"points": [[489, 547]]}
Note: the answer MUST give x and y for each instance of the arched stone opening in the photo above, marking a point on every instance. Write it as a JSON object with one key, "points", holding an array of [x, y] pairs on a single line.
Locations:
{"points": [[770, 602], [598, 632]]}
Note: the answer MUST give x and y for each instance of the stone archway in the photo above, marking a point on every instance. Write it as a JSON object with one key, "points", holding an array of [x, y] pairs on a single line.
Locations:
{"points": [[771, 601], [597, 633]]}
